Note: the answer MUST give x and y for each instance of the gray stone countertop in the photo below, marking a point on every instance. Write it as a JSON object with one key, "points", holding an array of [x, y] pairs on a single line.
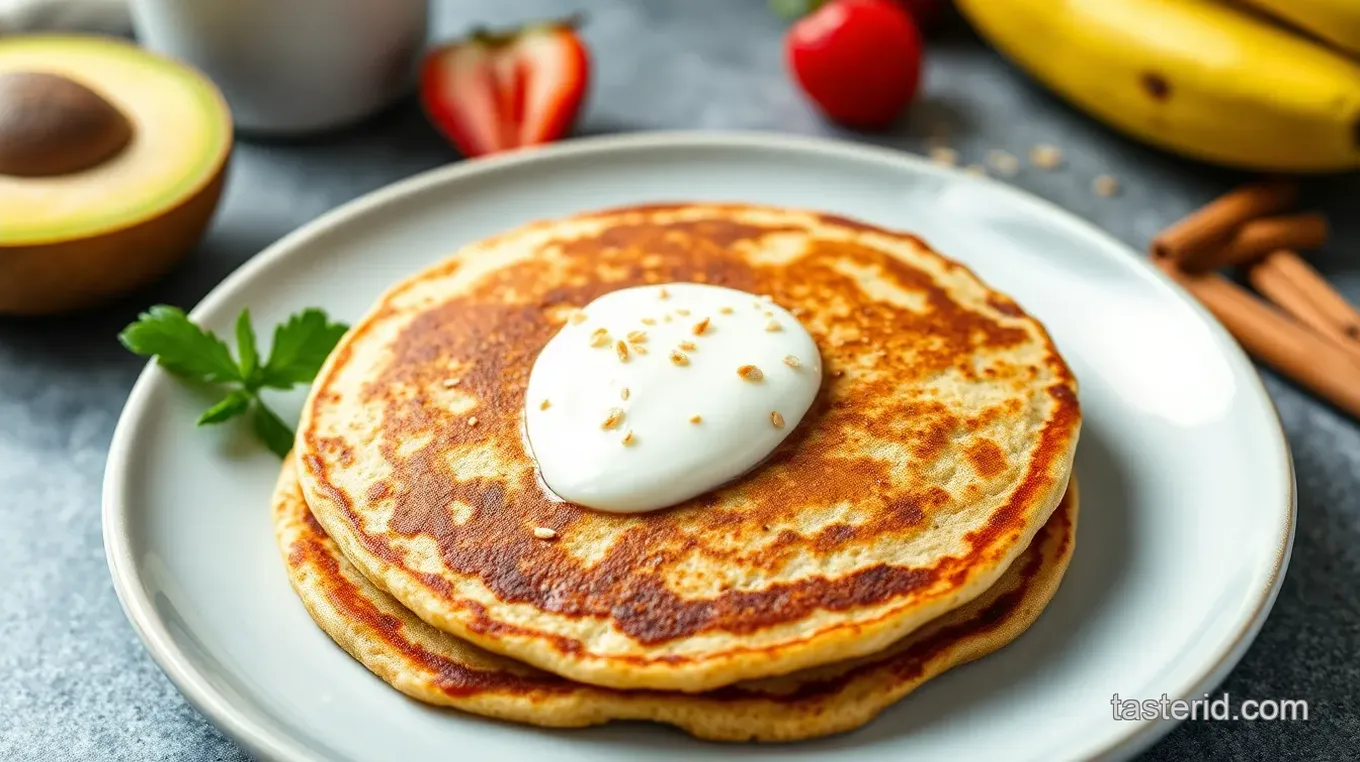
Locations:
{"points": [[75, 682]]}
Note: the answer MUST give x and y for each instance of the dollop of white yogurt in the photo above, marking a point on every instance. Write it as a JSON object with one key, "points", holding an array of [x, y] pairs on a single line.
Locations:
{"points": [[653, 395]]}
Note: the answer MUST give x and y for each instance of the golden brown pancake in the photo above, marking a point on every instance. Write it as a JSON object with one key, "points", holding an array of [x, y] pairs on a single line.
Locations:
{"points": [[437, 668], [940, 442]]}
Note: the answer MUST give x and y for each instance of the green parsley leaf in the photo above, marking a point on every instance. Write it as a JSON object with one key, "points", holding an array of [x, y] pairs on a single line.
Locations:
{"points": [[179, 346], [245, 347], [232, 405], [300, 346], [272, 430]]}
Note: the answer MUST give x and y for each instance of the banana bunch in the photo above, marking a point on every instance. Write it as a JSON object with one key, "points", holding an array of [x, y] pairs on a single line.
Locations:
{"points": [[1213, 80]]}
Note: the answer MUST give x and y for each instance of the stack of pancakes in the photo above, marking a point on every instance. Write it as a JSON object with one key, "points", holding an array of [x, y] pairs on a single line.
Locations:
{"points": [[919, 517]]}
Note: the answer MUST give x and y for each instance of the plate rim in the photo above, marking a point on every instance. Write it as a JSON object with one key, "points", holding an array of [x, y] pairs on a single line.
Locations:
{"points": [[267, 743]]}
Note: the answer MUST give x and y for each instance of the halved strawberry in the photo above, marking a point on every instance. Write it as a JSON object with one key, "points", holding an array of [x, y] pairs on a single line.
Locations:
{"points": [[496, 91]]}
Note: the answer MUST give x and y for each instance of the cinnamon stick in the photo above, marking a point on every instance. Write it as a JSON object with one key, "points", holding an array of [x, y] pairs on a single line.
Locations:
{"points": [[1257, 238], [1213, 223], [1273, 338], [1294, 302], [1317, 304]]}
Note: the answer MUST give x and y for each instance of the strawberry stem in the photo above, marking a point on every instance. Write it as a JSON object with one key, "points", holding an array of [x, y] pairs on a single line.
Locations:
{"points": [[794, 9], [499, 37]]}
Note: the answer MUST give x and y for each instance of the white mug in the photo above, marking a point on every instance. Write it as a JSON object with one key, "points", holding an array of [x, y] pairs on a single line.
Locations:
{"points": [[293, 66]]}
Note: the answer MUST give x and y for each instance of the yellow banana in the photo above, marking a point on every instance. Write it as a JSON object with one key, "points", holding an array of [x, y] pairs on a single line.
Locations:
{"points": [[1192, 76], [1336, 21]]}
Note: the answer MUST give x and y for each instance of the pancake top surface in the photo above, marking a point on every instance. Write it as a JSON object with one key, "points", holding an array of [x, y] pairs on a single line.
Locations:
{"points": [[941, 440]]}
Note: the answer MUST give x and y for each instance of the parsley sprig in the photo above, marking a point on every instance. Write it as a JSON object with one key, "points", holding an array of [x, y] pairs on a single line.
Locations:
{"points": [[301, 344]]}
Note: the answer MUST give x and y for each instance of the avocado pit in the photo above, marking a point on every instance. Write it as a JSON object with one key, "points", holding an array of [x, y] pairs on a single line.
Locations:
{"points": [[52, 125]]}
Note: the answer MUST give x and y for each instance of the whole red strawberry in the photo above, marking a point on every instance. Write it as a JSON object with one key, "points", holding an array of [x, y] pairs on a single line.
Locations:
{"points": [[493, 92], [858, 60]]}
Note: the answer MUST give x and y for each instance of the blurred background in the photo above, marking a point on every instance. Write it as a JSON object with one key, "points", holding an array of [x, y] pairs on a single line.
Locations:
{"points": [[76, 681]]}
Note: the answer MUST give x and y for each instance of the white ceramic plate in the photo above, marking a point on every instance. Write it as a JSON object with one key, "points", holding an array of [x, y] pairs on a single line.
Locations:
{"points": [[1187, 487]]}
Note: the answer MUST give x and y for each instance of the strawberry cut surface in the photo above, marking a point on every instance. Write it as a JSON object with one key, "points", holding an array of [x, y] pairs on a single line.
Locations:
{"points": [[494, 92]]}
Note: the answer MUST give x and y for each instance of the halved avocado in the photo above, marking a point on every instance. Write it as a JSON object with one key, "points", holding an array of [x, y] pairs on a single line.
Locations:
{"points": [[112, 161]]}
